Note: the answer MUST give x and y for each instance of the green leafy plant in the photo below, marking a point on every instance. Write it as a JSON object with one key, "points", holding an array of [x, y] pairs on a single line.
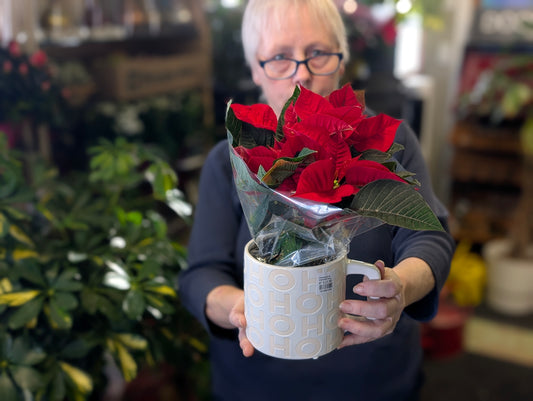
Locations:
{"points": [[88, 269]]}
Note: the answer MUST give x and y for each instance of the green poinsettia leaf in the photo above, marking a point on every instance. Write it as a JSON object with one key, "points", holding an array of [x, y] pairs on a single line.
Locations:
{"points": [[252, 136], [8, 391], [281, 121], [284, 168], [409, 177], [25, 313], [397, 204], [233, 126], [375, 155], [280, 170], [243, 179], [395, 147]]}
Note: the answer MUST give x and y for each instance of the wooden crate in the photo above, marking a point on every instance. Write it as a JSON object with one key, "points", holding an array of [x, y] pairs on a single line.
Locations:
{"points": [[131, 78]]}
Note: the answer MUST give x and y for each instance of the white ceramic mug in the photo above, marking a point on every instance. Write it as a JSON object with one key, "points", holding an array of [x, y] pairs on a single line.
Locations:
{"points": [[292, 312]]}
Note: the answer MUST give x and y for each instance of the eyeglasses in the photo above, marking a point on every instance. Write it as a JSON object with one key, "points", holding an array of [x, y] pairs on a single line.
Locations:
{"points": [[284, 68]]}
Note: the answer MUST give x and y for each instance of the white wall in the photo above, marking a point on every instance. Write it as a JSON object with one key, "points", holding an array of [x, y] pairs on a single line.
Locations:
{"points": [[440, 65]]}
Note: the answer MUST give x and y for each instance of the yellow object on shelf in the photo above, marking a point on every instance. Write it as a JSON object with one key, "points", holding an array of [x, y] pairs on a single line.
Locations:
{"points": [[468, 276]]}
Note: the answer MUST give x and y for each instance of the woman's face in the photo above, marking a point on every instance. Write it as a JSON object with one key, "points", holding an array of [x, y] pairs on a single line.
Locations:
{"points": [[299, 38]]}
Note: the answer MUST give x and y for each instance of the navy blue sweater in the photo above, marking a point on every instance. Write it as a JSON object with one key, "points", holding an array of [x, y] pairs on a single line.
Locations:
{"points": [[388, 369]]}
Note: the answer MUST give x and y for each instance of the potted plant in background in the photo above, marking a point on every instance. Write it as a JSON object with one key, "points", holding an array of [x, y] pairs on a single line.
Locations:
{"points": [[504, 94], [89, 259], [31, 100], [88, 271]]}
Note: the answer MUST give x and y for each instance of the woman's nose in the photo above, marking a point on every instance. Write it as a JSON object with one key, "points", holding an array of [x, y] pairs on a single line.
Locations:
{"points": [[302, 75]]}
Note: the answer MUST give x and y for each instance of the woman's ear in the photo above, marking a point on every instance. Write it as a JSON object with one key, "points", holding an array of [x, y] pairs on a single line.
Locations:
{"points": [[342, 69]]}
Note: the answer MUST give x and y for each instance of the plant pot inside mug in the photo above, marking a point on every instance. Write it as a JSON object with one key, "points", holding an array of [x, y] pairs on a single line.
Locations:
{"points": [[292, 312]]}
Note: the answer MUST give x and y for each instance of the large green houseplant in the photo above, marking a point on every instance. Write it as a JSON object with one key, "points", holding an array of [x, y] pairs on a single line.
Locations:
{"points": [[89, 250], [87, 271]]}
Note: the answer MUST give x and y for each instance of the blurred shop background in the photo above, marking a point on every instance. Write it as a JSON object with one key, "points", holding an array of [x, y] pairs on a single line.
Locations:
{"points": [[108, 109]]}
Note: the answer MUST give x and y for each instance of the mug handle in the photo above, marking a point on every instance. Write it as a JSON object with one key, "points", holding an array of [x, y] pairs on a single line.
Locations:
{"points": [[366, 269]]}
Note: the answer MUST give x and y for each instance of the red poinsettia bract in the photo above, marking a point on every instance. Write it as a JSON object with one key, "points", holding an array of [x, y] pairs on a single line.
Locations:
{"points": [[331, 132]]}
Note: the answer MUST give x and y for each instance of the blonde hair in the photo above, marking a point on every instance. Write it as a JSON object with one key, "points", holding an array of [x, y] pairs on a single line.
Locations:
{"points": [[259, 13]]}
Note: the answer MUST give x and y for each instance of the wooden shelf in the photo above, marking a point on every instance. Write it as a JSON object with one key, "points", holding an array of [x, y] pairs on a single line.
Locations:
{"points": [[485, 138], [486, 175], [481, 213], [490, 169], [176, 60]]}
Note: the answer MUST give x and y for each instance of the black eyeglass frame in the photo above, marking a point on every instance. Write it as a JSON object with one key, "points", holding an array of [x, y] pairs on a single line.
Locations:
{"points": [[298, 62]]}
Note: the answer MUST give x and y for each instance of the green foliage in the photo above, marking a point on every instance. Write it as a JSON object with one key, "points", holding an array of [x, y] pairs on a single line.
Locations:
{"points": [[502, 93], [397, 204], [88, 268]]}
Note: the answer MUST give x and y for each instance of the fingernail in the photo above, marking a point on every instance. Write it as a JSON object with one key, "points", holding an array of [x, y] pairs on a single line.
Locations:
{"points": [[342, 306], [358, 289]]}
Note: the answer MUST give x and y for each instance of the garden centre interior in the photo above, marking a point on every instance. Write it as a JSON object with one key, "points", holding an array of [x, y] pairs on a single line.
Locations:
{"points": [[109, 109]]}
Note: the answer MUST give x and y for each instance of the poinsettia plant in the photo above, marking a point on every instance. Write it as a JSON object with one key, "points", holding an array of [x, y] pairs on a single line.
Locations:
{"points": [[319, 175], [27, 86]]}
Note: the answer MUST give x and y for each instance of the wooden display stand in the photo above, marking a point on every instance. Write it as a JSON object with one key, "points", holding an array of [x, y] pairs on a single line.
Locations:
{"points": [[486, 176], [487, 165], [148, 64]]}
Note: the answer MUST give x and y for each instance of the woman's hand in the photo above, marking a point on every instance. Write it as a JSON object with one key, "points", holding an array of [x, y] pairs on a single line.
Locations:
{"points": [[237, 319], [383, 313], [225, 308]]}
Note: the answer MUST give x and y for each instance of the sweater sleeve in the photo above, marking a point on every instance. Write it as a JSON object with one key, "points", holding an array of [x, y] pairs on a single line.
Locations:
{"points": [[211, 247], [434, 247]]}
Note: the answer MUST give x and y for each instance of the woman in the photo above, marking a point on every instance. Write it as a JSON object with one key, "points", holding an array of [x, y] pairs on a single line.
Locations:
{"points": [[303, 42]]}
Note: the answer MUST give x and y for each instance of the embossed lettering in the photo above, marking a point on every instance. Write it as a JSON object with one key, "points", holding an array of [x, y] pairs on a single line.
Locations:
{"points": [[279, 303], [281, 325], [255, 274], [281, 280], [312, 323], [255, 318], [276, 348], [255, 295], [309, 303], [307, 281], [255, 337], [331, 318], [308, 347]]}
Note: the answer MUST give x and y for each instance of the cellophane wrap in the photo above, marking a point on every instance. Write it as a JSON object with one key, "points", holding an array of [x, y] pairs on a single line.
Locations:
{"points": [[291, 231]]}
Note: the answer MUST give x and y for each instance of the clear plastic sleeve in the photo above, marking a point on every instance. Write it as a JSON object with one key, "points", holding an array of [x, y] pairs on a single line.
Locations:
{"points": [[291, 231]]}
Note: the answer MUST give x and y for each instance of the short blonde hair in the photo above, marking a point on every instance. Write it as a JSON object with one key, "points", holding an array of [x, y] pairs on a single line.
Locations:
{"points": [[259, 12]]}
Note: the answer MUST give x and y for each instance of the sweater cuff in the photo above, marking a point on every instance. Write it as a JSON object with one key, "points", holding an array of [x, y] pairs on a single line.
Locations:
{"points": [[424, 309]]}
